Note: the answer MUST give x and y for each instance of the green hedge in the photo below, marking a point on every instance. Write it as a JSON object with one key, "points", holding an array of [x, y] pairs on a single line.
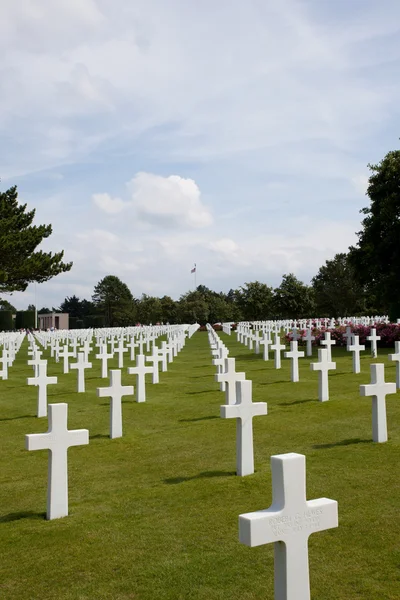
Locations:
{"points": [[25, 319], [6, 320]]}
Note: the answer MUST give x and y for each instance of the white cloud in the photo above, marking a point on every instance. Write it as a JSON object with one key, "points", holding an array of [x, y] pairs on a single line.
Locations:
{"points": [[108, 204], [169, 200]]}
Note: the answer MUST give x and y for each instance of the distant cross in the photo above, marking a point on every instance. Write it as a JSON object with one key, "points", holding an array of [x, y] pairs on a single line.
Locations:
{"points": [[266, 342], [4, 365], [66, 354], [294, 355], [295, 335], [35, 361], [57, 440], [373, 338], [164, 353], [103, 356], [140, 344], [356, 348], [378, 389], [396, 358], [309, 339], [277, 347], [131, 346], [323, 366], [219, 362], [328, 343], [244, 410], [257, 340], [120, 350], [230, 377], [41, 380], [140, 371], [116, 391], [155, 358], [288, 523], [80, 366], [348, 335]]}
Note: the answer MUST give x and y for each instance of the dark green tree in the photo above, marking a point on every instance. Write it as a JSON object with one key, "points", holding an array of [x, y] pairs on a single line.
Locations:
{"points": [[114, 300], [149, 310], [337, 292], [255, 300], [169, 310], [293, 299], [193, 308], [376, 257], [20, 263], [5, 305]]}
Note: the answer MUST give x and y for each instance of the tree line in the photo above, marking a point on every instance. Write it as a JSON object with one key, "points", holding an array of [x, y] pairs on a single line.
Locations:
{"points": [[365, 279]]}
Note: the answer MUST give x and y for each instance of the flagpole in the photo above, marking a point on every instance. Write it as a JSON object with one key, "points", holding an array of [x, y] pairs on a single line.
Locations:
{"points": [[195, 277]]}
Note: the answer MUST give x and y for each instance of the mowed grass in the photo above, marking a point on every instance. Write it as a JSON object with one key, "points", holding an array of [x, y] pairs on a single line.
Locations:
{"points": [[154, 515]]}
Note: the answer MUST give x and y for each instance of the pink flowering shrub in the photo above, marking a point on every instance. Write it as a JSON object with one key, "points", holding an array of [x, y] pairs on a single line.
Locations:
{"points": [[389, 334]]}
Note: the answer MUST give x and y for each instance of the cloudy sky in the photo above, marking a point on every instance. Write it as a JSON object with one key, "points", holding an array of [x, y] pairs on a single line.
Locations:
{"points": [[156, 134]]}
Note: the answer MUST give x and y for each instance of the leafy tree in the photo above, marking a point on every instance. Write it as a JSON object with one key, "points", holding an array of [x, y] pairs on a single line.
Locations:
{"points": [[114, 300], [77, 308], [149, 310], [169, 310], [293, 299], [31, 307], [376, 257], [20, 264], [5, 305], [45, 311], [255, 300], [336, 290], [193, 308]]}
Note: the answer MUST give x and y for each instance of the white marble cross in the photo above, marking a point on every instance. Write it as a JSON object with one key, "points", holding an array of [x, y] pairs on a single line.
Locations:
{"points": [[132, 345], [348, 336], [35, 361], [356, 348], [140, 371], [104, 356], [120, 350], [287, 524], [57, 440], [373, 338], [230, 377], [294, 355], [42, 381], [378, 389], [155, 358], [80, 366], [244, 410], [396, 358], [309, 340], [328, 343], [164, 354], [116, 391], [66, 354], [4, 365], [323, 366], [277, 347], [266, 342]]}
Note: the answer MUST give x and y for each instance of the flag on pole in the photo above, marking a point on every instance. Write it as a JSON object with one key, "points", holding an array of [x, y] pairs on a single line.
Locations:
{"points": [[194, 269]]}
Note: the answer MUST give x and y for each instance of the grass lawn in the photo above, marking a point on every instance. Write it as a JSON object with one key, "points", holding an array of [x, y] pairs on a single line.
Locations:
{"points": [[154, 515]]}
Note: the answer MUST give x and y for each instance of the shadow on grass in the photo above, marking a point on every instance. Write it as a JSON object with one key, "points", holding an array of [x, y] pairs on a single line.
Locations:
{"points": [[298, 402], [99, 436], [342, 443], [21, 515], [204, 475], [274, 382], [202, 392], [21, 417], [198, 419], [250, 356]]}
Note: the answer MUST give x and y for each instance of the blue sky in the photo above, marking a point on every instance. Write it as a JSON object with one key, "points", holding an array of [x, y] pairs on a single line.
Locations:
{"points": [[236, 135]]}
